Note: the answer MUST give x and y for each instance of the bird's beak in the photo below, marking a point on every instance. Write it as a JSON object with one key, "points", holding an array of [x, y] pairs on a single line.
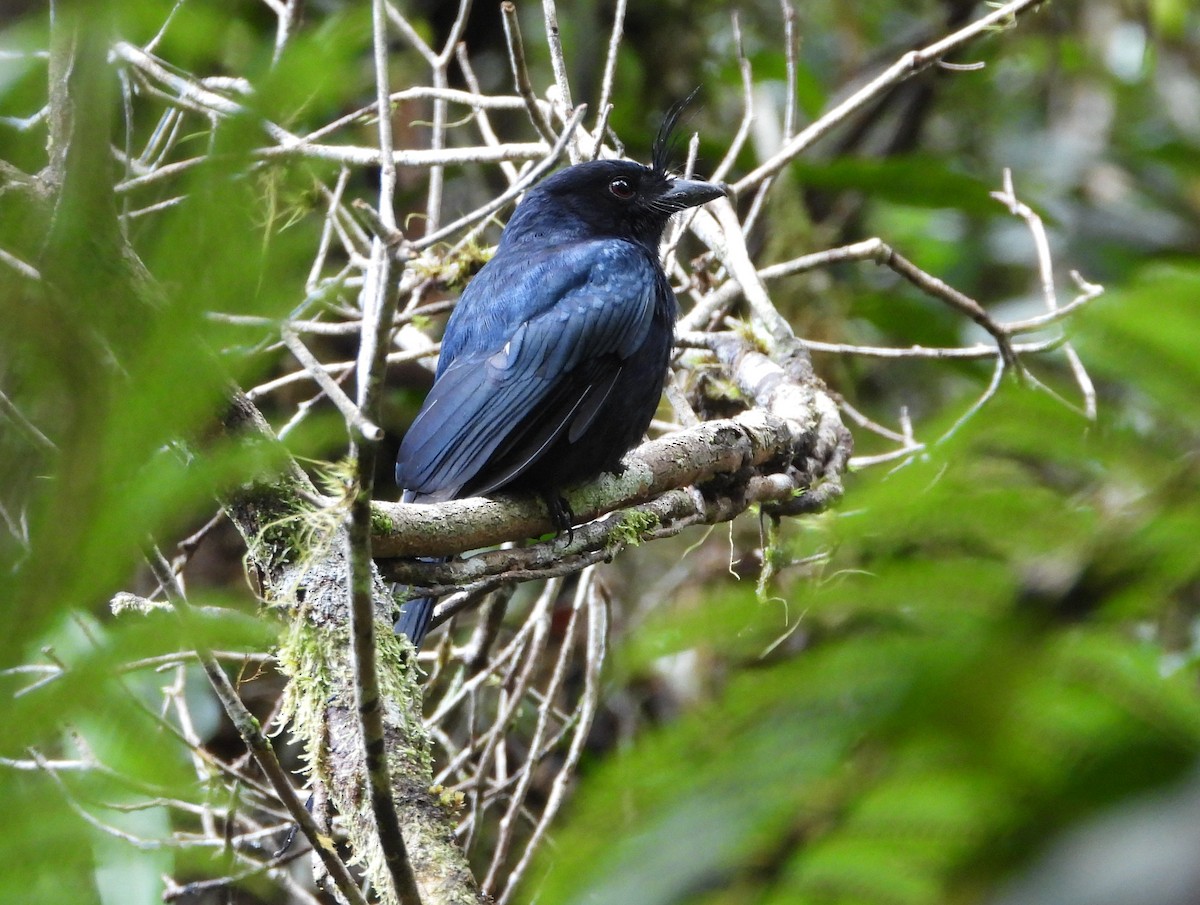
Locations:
{"points": [[684, 193]]}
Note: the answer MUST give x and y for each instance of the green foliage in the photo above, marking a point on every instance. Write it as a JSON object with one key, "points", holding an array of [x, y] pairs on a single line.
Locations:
{"points": [[920, 180], [969, 684], [1150, 327], [117, 367]]}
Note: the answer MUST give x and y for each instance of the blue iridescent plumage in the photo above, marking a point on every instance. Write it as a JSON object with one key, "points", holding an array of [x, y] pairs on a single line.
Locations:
{"points": [[554, 359]]}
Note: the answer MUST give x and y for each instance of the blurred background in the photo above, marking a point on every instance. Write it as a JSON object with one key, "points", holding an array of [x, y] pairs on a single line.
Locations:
{"points": [[974, 681]]}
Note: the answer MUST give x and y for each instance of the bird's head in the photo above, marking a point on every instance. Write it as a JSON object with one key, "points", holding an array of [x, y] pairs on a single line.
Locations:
{"points": [[614, 198]]}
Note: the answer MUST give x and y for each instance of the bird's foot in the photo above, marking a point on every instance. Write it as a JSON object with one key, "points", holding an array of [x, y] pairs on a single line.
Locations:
{"points": [[561, 515]]}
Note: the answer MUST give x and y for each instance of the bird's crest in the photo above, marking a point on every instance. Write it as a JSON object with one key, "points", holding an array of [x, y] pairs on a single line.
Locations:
{"points": [[666, 143]]}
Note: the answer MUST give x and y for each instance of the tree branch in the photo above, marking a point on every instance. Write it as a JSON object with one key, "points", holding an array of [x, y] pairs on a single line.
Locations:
{"points": [[788, 450], [300, 555]]}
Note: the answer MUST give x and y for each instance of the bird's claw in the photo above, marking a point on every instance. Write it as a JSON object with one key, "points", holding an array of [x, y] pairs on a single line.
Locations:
{"points": [[561, 515]]}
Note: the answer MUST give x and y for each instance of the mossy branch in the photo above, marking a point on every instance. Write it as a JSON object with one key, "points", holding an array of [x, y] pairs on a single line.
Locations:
{"points": [[786, 453], [301, 558]]}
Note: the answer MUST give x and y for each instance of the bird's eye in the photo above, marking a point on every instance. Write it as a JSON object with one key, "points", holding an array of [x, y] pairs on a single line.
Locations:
{"points": [[622, 188]]}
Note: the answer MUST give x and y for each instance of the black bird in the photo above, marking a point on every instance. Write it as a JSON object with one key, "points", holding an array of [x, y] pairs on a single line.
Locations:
{"points": [[554, 359]]}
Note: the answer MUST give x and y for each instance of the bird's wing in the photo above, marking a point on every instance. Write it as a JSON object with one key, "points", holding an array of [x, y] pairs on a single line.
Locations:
{"points": [[551, 374]]}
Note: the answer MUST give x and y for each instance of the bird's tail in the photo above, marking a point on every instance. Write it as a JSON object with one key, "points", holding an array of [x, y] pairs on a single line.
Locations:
{"points": [[416, 614]]}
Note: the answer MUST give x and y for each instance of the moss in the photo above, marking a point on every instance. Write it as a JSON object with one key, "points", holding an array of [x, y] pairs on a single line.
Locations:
{"points": [[299, 535], [454, 272], [381, 522], [776, 556], [316, 662], [276, 543], [754, 336], [312, 657], [304, 658], [315, 656], [628, 532], [451, 799]]}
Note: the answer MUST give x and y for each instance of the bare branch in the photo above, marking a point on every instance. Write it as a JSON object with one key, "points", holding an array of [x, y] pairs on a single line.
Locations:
{"points": [[352, 413], [905, 67], [516, 189], [689, 457], [597, 638], [420, 157], [610, 72], [1009, 199], [260, 746], [481, 116], [743, 130], [516, 56]]}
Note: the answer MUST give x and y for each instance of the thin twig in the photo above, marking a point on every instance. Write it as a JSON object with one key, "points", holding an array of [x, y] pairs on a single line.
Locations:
{"points": [[743, 130], [610, 72], [955, 353], [327, 229], [508, 822], [931, 285], [335, 367], [558, 65], [516, 57], [907, 66], [354, 416], [1041, 244], [377, 318], [473, 99], [513, 191], [791, 51], [539, 625], [419, 157], [437, 137], [988, 393], [481, 116], [597, 639], [260, 746]]}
